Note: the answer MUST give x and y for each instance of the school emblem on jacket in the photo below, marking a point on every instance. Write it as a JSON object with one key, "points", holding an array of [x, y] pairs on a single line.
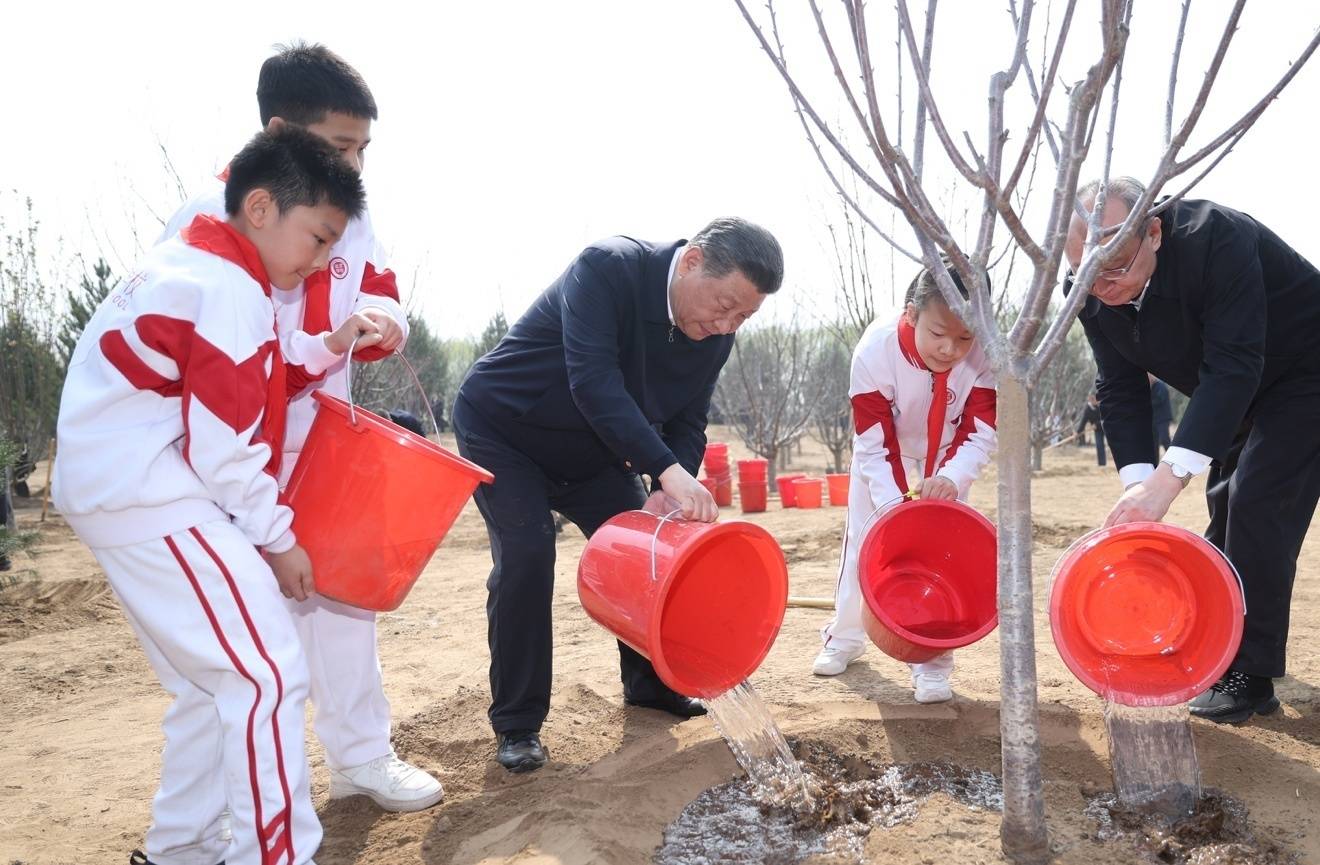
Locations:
{"points": [[338, 267]]}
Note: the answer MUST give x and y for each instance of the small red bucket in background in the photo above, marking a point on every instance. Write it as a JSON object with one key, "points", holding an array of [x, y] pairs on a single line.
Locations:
{"points": [[808, 492], [753, 497], [702, 601], [753, 471], [786, 492], [1146, 614], [372, 502], [838, 488], [928, 572], [724, 490]]}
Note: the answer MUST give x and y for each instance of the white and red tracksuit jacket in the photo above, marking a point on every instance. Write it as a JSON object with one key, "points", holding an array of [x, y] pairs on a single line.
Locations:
{"points": [[899, 422], [355, 279], [174, 396]]}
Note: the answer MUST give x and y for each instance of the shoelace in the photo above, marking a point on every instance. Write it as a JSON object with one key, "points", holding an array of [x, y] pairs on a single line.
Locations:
{"points": [[1234, 684]]}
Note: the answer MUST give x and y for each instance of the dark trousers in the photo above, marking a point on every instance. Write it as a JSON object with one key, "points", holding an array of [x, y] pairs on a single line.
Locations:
{"points": [[517, 509], [1162, 437], [1261, 498], [1099, 445]]}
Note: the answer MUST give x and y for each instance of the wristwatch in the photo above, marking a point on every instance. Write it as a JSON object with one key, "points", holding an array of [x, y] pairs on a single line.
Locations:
{"points": [[1183, 474]]}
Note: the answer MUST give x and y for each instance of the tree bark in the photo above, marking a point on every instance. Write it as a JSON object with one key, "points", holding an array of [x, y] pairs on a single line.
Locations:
{"points": [[1022, 832]]}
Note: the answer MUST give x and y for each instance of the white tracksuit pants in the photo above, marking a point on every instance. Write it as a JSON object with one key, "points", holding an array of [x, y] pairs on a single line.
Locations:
{"points": [[214, 626], [845, 630], [351, 716]]}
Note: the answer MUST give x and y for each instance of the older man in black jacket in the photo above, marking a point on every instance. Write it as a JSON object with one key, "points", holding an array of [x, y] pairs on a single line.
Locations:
{"points": [[1215, 304], [608, 376]]}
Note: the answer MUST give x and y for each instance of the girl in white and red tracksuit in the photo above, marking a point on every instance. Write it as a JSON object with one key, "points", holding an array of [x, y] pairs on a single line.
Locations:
{"points": [[923, 403], [169, 431], [352, 717]]}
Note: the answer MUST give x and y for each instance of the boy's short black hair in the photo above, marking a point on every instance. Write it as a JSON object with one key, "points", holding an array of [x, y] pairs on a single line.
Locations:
{"points": [[302, 83], [297, 168]]}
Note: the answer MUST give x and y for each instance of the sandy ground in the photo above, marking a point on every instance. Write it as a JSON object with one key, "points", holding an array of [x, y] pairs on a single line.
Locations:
{"points": [[80, 713]]}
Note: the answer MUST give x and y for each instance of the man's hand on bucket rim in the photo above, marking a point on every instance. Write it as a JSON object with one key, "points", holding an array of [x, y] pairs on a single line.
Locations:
{"points": [[687, 494]]}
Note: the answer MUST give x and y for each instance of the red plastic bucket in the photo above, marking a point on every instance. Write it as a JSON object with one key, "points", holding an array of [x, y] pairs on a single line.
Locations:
{"points": [[1146, 614], [372, 502], [928, 573], [838, 488], [753, 471], [785, 484], [702, 601], [753, 497], [710, 485], [808, 492], [724, 490]]}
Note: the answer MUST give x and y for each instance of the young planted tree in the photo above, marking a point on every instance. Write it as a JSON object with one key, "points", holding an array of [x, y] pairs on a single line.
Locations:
{"points": [[888, 166], [769, 389]]}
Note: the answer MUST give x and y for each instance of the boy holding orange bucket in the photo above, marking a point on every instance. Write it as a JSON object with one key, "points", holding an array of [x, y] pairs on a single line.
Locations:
{"points": [[311, 87], [923, 399], [169, 431]]}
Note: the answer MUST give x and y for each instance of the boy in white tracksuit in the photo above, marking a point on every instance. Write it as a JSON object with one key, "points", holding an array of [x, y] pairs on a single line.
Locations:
{"points": [[169, 430], [923, 402], [311, 87]]}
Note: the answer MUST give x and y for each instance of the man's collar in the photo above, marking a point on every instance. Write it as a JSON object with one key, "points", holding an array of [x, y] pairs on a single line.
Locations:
{"points": [[669, 282]]}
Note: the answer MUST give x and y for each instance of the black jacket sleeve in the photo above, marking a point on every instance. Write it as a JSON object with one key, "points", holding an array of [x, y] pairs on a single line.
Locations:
{"points": [[591, 324], [1124, 395], [686, 432], [1233, 322]]}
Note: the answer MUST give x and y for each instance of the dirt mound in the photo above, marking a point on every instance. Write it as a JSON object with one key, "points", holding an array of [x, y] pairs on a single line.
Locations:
{"points": [[31, 607]]}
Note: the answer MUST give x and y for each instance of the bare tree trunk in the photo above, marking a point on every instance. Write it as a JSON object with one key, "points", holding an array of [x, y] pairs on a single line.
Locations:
{"points": [[1022, 832], [1037, 457]]}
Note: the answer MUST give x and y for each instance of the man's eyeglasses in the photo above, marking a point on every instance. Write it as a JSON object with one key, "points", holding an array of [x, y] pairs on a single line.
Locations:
{"points": [[1115, 273]]}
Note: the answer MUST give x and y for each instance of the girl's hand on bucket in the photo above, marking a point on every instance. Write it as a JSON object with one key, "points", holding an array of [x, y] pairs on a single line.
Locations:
{"points": [[938, 488], [688, 494], [357, 327], [293, 571]]}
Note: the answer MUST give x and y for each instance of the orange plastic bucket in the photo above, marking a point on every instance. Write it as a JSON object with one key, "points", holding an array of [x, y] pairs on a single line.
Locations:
{"points": [[753, 497], [702, 601], [808, 492], [838, 488], [786, 492], [372, 502], [928, 573], [1146, 614]]}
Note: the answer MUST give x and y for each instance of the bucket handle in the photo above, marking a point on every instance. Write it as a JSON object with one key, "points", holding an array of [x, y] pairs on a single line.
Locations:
{"points": [[655, 536], [348, 378]]}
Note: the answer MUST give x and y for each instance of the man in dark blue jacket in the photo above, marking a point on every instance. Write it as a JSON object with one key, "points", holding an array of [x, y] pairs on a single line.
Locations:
{"points": [[607, 377], [1216, 305]]}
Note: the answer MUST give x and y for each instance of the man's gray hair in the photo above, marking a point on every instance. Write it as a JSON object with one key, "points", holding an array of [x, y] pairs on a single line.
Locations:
{"points": [[730, 244], [1125, 189]]}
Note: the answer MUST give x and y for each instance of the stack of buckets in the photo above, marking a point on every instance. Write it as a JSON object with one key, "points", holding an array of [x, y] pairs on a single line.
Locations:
{"points": [[752, 484], [800, 491], [718, 478]]}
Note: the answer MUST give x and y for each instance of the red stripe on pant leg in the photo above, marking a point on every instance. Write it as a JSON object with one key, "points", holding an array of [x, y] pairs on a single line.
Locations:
{"points": [[279, 690], [242, 671]]}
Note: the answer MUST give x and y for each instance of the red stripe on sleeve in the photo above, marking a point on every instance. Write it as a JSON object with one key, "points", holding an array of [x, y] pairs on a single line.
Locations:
{"points": [[980, 406], [233, 392], [378, 284], [122, 357], [870, 409]]}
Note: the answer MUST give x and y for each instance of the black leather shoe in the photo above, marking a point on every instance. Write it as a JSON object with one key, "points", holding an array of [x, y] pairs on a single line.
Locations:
{"points": [[521, 751], [1235, 698], [673, 703]]}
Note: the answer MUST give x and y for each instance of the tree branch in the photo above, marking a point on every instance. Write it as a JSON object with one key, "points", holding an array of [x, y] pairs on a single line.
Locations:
{"points": [[1173, 72]]}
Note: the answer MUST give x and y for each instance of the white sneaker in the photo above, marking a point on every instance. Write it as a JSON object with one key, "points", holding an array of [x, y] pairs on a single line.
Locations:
{"points": [[391, 783], [931, 687], [832, 661]]}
